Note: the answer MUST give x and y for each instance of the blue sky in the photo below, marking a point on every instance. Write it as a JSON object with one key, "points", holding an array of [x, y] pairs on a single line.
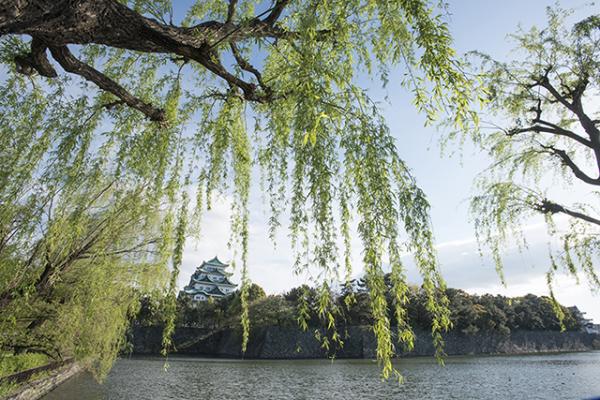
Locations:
{"points": [[448, 182]]}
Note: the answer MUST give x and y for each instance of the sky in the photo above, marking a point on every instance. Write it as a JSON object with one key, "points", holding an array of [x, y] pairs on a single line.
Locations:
{"points": [[447, 180]]}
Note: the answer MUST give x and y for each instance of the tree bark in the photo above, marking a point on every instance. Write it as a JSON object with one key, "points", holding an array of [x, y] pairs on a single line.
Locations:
{"points": [[55, 24], [110, 23]]}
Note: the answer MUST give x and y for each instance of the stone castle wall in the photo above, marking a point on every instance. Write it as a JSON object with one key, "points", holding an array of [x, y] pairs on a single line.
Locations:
{"points": [[292, 343]]}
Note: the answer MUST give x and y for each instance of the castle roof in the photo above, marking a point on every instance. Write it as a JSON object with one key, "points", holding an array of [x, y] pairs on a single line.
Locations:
{"points": [[215, 292], [214, 272], [215, 262], [226, 281], [207, 279], [192, 290]]}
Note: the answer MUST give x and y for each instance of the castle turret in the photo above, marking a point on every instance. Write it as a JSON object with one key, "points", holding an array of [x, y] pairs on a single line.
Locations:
{"points": [[210, 280]]}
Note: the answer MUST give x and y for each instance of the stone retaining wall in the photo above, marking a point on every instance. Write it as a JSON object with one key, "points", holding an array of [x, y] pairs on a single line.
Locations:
{"points": [[291, 343]]}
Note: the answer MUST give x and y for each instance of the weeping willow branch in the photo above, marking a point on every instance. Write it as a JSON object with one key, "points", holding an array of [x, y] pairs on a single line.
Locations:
{"points": [[549, 207], [548, 95]]}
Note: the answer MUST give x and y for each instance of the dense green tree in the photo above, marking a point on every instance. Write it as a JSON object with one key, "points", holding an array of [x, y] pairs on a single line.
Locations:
{"points": [[296, 294], [151, 310], [272, 310], [70, 265], [552, 147], [255, 292], [161, 103], [233, 304], [470, 314]]}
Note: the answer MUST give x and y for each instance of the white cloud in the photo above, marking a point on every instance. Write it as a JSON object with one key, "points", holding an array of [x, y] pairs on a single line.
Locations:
{"points": [[460, 260]]}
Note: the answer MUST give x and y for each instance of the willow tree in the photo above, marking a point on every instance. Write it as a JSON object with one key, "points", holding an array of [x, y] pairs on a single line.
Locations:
{"points": [[550, 150], [161, 98]]}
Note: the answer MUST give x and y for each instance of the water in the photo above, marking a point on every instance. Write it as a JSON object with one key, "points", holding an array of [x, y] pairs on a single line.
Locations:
{"points": [[554, 376]]}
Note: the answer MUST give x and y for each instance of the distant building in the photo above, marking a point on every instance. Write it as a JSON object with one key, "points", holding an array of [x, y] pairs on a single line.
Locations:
{"points": [[209, 280]]}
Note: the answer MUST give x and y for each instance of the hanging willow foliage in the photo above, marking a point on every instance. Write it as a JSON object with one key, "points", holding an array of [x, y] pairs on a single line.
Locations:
{"points": [[550, 150], [146, 111]]}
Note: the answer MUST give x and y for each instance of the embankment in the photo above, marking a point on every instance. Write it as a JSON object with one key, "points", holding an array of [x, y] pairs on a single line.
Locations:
{"points": [[28, 387], [292, 343]]}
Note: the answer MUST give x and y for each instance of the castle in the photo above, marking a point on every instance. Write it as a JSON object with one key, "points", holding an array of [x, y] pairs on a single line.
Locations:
{"points": [[209, 281]]}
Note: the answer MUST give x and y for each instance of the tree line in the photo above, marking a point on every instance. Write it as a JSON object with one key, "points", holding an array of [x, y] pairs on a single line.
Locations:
{"points": [[469, 313]]}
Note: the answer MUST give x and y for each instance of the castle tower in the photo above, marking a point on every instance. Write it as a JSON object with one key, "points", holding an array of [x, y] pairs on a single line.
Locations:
{"points": [[209, 280]]}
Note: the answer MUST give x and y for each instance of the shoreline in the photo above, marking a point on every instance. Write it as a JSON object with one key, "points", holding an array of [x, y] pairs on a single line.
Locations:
{"points": [[39, 387], [288, 343], [183, 356]]}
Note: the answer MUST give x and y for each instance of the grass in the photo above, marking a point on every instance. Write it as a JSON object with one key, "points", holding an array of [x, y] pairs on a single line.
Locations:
{"points": [[13, 363]]}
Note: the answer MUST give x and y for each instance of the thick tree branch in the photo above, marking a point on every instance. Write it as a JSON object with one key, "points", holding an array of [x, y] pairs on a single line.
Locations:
{"points": [[111, 23], [56, 24], [231, 11], [549, 207], [568, 161], [544, 82], [552, 129], [214, 65], [246, 66], [35, 61], [276, 11], [73, 65], [548, 127], [588, 124], [571, 99], [565, 132]]}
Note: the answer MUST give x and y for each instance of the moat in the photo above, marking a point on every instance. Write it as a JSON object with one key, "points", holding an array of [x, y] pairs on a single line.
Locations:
{"points": [[564, 376]]}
